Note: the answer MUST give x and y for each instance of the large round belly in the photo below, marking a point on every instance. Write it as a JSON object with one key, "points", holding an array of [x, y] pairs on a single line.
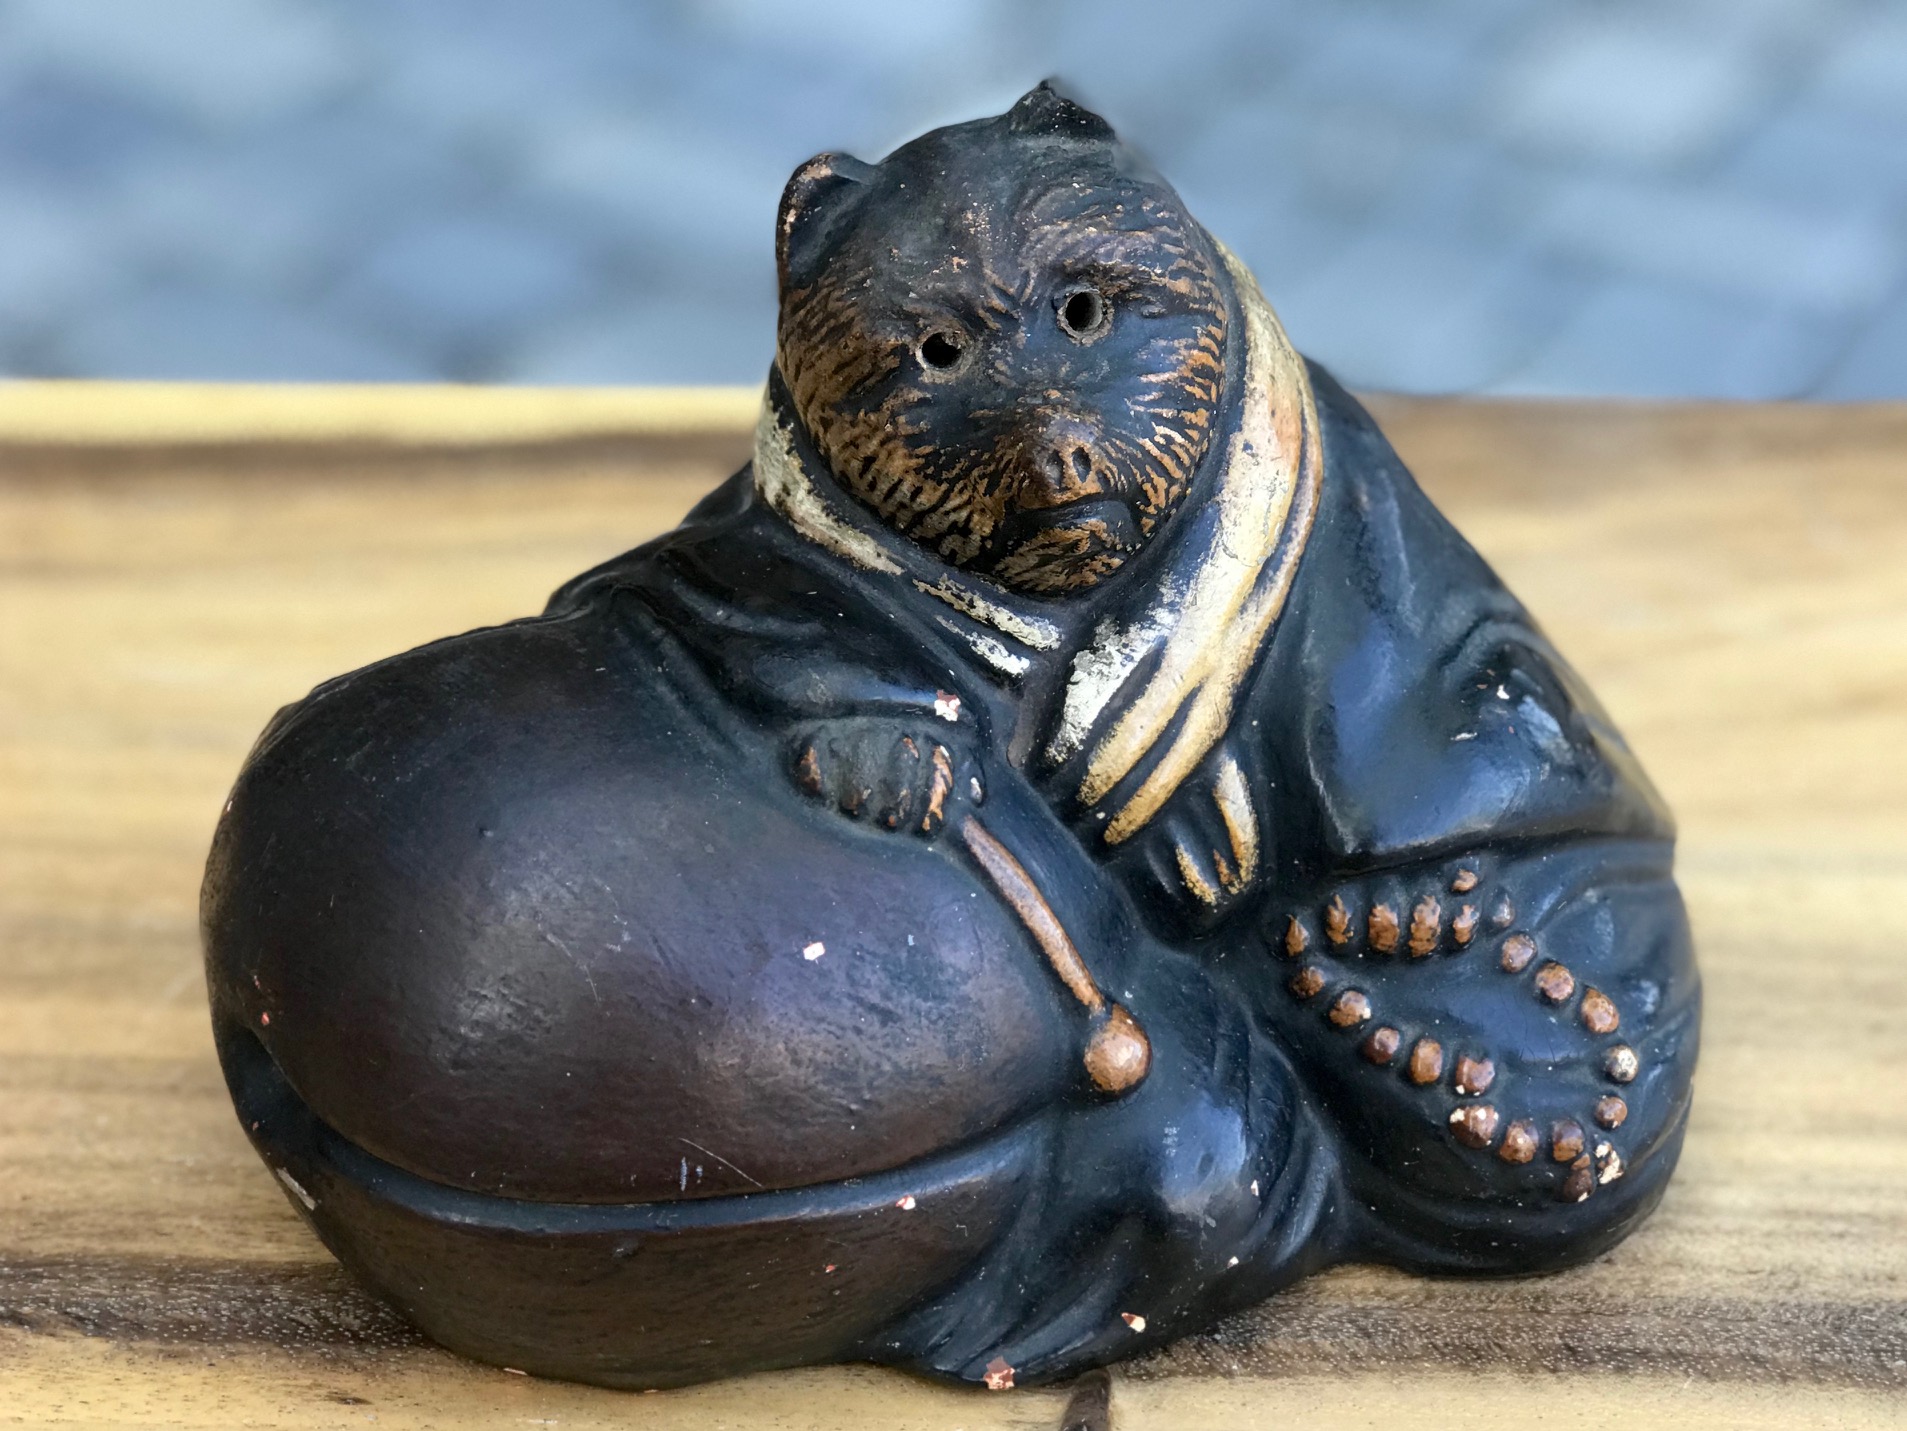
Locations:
{"points": [[518, 912]]}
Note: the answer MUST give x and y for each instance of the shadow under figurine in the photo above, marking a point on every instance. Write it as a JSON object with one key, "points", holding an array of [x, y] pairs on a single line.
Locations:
{"points": [[1065, 843]]}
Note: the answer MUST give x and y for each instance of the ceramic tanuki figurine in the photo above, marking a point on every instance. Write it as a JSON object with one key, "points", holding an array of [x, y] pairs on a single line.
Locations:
{"points": [[1065, 843]]}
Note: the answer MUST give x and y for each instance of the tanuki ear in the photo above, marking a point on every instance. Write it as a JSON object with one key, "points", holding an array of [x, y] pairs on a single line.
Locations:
{"points": [[812, 189], [1043, 110]]}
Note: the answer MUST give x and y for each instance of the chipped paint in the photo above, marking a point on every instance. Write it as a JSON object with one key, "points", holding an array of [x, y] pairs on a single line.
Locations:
{"points": [[1034, 631], [1608, 1163], [296, 1189], [990, 649], [1101, 669]]}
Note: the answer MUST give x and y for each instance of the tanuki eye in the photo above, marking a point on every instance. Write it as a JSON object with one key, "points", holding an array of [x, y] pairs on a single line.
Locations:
{"points": [[942, 349], [1084, 314]]}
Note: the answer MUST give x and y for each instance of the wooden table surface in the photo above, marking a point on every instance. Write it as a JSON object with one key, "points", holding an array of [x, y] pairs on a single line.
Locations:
{"points": [[174, 564]]}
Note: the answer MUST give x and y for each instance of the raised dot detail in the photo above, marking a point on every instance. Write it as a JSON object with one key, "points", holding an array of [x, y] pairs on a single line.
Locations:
{"points": [[1426, 923], [1465, 881], [1296, 940], [1599, 1012], [1518, 950], [1555, 983], [1611, 1111], [1473, 1075], [1307, 981], [1519, 1142], [1382, 1045], [1581, 1181], [1337, 922], [1504, 915], [1474, 1126], [1426, 1061], [1464, 927], [1119, 1054], [1621, 1063], [1383, 929], [1349, 1009], [808, 771], [1565, 1140]]}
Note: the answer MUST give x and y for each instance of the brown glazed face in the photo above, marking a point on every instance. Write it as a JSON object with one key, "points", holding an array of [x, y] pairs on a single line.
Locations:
{"points": [[1006, 340]]}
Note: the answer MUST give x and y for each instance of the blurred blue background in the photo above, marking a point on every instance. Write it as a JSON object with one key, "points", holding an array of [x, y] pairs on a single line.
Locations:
{"points": [[1679, 197]]}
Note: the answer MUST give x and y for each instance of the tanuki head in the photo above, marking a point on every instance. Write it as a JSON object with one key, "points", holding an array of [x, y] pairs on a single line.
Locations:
{"points": [[1006, 340]]}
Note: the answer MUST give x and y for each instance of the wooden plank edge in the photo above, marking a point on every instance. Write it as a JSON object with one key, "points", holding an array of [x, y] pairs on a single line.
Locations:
{"points": [[85, 414], [318, 1307], [91, 414]]}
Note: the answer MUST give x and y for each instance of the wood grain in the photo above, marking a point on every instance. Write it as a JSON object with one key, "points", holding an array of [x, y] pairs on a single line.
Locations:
{"points": [[1733, 581]]}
